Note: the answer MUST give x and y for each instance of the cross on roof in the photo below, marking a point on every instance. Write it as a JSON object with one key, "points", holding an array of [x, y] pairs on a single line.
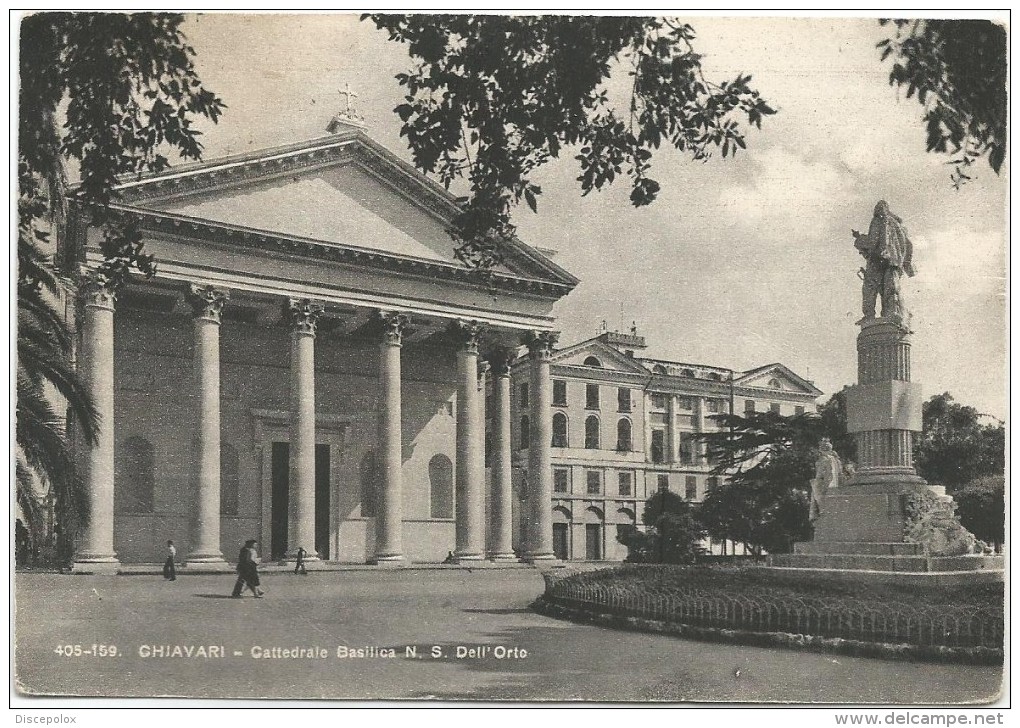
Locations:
{"points": [[349, 96]]}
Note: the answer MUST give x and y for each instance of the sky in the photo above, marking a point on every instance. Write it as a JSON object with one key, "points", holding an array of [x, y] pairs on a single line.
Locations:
{"points": [[740, 262]]}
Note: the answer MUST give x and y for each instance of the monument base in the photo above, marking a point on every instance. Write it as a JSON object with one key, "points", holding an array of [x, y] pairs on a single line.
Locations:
{"points": [[861, 536]]}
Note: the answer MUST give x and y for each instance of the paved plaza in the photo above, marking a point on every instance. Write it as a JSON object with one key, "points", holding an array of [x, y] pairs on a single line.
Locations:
{"points": [[427, 618]]}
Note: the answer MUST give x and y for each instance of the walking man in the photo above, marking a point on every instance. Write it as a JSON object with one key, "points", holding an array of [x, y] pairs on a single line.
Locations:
{"points": [[247, 570]]}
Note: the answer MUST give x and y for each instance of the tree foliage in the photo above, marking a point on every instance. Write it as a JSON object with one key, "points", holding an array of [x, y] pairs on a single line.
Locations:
{"points": [[492, 98], [114, 94], [674, 534], [957, 70], [769, 460], [101, 95], [954, 447], [981, 507]]}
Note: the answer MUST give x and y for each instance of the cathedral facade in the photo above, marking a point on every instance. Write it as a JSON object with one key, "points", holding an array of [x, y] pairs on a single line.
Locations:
{"points": [[307, 368]]}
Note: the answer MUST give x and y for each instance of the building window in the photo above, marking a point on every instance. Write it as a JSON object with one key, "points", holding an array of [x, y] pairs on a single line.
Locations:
{"points": [[230, 483], [559, 430], [688, 445], [748, 407], [441, 486], [623, 399], [687, 403], [594, 479], [559, 393], [713, 482], [688, 421], [523, 394], [623, 439], [774, 384], [561, 480], [715, 376], [658, 446], [137, 483], [592, 361], [367, 475], [687, 373], [663, 482], [591, 433], [658, 401], [591, 396], [691, 488], [775, 408], [626, 483], [525, 432], [713, 405], [658, 369], [798, 410]]}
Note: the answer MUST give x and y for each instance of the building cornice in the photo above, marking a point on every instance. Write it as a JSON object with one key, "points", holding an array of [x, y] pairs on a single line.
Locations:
{"points": [[222, 233]]}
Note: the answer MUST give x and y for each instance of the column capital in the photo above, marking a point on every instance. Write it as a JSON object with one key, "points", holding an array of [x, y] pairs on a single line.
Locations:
{"points": [[483, 368], [96, 292], [467, 334], [500, 358], [391, 325], [207, 301], [304, 314], [541, 344]]}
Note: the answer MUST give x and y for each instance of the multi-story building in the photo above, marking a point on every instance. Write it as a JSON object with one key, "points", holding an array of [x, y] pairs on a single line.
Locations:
{"points": [[625, 426]]}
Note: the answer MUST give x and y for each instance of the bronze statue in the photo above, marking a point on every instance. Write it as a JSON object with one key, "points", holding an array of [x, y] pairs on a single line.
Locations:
{"points": [[889, 254]]}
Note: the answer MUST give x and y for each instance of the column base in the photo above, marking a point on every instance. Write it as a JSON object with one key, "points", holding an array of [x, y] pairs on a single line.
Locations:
{"points": [[468, 556], [540, 557], [95, 564], [206, 563], [205, 558], [503, 557], [887, 475], [393, 561]]}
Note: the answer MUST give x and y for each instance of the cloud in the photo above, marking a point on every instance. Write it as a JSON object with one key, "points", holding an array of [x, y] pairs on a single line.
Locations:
{"points": [[960, 258]]}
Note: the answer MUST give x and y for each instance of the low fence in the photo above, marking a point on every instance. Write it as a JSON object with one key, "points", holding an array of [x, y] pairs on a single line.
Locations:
{"points": [[934, 625]]}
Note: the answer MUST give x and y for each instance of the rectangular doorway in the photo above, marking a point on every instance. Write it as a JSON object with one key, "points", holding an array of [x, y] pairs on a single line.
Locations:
{"points": [[560, 549], [280, 468], [322, 490], [593, 542]]}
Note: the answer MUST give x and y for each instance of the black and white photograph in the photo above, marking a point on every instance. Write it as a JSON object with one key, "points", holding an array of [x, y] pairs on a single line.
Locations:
{"points": [[491, 358]]}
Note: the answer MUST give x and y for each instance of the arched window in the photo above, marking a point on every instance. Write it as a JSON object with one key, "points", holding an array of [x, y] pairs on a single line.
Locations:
{"points": [[715, 376], [367, 473], [623, 438], [591, 432], [559, 430], [658, 369], [687, 373], [229, 480], [441, 486], [593, 361], [137, 482], [525, 432]]}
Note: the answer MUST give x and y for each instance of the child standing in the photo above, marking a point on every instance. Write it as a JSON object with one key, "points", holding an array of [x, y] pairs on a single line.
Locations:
{"points": [[170, 566]]}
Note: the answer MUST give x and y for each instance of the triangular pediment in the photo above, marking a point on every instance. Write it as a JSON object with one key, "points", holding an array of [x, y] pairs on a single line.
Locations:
{"points": [[586, 353], [344, 190], [776, 377]]}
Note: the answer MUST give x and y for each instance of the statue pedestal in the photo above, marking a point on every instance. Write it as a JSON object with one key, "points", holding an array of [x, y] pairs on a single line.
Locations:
{"points": [[862, 531]]}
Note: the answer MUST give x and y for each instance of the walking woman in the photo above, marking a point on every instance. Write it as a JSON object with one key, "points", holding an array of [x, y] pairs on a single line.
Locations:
{"points": [[247, 570]]}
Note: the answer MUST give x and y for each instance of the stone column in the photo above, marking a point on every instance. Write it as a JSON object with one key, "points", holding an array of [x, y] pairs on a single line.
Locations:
{"points": [[304, 314], [389, 516], [540, 345], [470, 488], [672, 440], [95, 552], [501, 511], [207, 304], [699, 427]]}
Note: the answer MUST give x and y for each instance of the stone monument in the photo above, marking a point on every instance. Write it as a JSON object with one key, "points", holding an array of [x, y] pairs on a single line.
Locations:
{"points": [[884, 520]]}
